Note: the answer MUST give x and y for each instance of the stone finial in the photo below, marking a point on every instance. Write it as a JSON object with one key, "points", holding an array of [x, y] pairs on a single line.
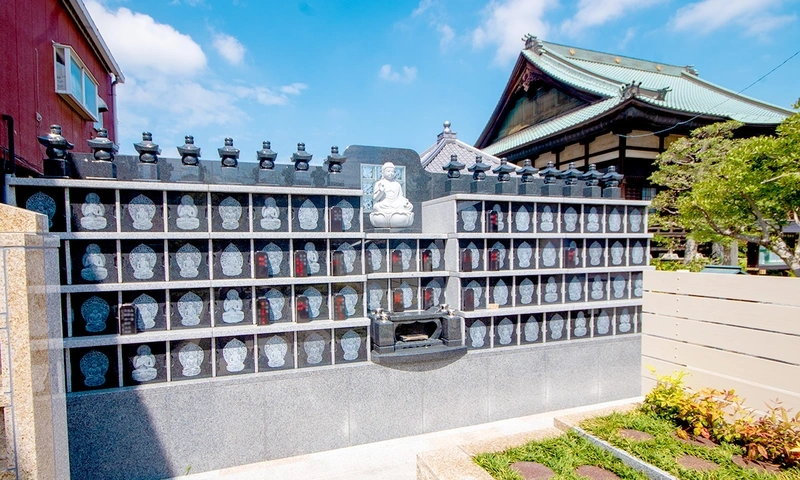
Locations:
{"points": [[478, 169], [104, 149], [301, 158], [229, 156], [571, 174], [549, 172], [611, 179], [453, 167], [266, 157], [527, 171], [446, 125], [335, 161], [592, 176], [189, 152], [503, 170], [57, 145], [147, 150], [691, 70]]}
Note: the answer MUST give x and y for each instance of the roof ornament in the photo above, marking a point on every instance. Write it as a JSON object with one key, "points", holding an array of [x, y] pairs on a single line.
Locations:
{"points": [[102, 147], [690, 70], [661, 93], [335, 161], [189, 152], [446, 132], [147, 150], [503, 170], [527, 171], [229, 155], [478, 168], [57, 145], [630, 90], [549, 172], [570, 175], [446, 125], [533, 43], [454, 167], [301, 158], [266, 157]]}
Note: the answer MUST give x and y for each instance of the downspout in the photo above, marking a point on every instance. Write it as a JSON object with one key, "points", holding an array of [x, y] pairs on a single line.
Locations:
{"points": [[12, 154], [114, 106]]}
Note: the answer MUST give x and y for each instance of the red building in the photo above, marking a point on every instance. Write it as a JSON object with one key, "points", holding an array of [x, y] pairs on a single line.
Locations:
{"points": [[54, 69]]}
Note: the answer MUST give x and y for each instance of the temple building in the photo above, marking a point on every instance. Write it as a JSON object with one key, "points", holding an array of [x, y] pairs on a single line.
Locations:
{"points": [[566, 104], [438, 155]]}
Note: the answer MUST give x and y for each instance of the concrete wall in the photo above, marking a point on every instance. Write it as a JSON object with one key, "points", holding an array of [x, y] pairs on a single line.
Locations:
{"points": [[728, 331], [165, 430]]}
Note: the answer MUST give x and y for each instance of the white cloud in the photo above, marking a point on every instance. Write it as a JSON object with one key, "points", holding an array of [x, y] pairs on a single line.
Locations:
{"points": [[506, 23], [629, 35], [294, 88], [139, 43], [709, 15], [598, 12], [447, 36], [407, 76], [229, 47], [422, 7]]}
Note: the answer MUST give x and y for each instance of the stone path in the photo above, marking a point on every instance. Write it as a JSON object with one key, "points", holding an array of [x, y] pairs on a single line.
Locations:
{"points": [[696, 463], [596, 473], [532, 470], [636, 435]]}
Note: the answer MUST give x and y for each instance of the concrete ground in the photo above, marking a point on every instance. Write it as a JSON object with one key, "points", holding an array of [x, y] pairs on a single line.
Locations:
{"points": [[388, 460]]}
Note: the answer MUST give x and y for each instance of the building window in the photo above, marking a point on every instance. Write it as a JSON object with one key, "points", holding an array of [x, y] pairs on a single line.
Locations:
{"points": [[75, 83], [648, 193]]}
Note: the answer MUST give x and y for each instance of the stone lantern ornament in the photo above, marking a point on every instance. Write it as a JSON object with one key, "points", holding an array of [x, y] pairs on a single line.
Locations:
{"points": [[592, 178], [189, 152], [301, 158], [147, 150], [478, 169], [550, 172], [527, 171], [229, 155], [570, 176], [266, 157], [103, 148], [55, 165], [611, 182], [503, 170], [335, 161], [453, 167]]}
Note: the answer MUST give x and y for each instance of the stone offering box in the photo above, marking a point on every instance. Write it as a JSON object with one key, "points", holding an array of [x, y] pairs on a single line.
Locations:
{"points": [[242, 279]]}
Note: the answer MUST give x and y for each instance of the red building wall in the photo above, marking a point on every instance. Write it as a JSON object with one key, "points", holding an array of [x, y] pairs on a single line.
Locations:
{"points": [[27, 79]]}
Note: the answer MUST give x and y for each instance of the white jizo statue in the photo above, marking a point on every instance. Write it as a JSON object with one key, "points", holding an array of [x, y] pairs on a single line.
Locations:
{"points": [[144, 365], [232, 307], [390, 209]]}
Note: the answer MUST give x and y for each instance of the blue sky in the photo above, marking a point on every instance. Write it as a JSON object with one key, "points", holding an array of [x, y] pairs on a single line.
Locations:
{"points": [[388, 73]]}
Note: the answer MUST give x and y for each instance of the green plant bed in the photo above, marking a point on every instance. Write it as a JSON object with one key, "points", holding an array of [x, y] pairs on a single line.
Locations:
{"points": [[563, 454], [666, 447]]}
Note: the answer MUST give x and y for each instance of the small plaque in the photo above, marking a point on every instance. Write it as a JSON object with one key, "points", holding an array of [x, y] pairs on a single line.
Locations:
{"points": [[337, 264], [397, 300], [469, 300], [127, 319], [494, 260], [427, 298], [263, 311], [262, 265], [492, 226], [339, 307], [397, 260], [466, 260], [303, 314], [300, 263], [427, 260], [336, 219]]}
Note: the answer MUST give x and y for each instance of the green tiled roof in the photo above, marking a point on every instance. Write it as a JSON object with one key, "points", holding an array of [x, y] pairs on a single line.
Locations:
{"points": [[606, 75], [447, 143]]}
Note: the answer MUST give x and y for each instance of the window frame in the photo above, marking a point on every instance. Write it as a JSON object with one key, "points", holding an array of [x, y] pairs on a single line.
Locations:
{"points": [[63, 86]]}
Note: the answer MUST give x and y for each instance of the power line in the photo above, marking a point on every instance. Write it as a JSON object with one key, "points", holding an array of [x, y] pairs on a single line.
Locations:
{"points": [[715, 106]]}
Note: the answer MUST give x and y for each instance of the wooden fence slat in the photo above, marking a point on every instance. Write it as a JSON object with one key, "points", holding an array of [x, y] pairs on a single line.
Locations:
{"points": [[777, 290]]}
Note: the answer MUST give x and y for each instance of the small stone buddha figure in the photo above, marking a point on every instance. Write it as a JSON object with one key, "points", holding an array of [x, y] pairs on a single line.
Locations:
{"points": [[526, 290], [187, 214], [575, 289], [549, 255], [556, 326], [603, 323], [618, 286], [94, 366], [276, 303], [531, 330], [477, 332], [570, 219], [374, 296], [635, 220], [593, 220], [231, 261], [146, 311], [617, 251], [624, 321], [95, 312], [614, 220], [234, 353], [349, 254], [350, 299], [314, 301], [638, 285], [142, 210], [232, 307], [524, 254], [143, 259], [191, 357], [597, 288], [469, 218], [312, 257], [505, 330], [522, 219], [94, 264], [275, 349], [595, 253], [144, 365], [230, 211], [500, 292], [190, 306], [546, 221], [551, 290], [308, 215], [580, 325], [188, 259], [270, 215], [314, 346], [93, 213], [375, 257], [351, 342], [390, 209]]}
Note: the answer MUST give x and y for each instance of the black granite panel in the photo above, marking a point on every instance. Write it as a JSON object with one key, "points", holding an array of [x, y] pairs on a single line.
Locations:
{"points": [[617, 252], [637, 284], [349, 252], [626, 320], [531, 329], [351, 345], [573, 253], [557, 326], [377, 295], [229, 212], [547, 218], [581, 323], [436, 249], [191, 359], [498, 254], [143, 364], [595, 252], [478, 333], [143, 261], [408, 288], [575, 286], [234, 355], [603, 321], [280, 304], [376, 259], [231, 259], [151, 308], [549, 253], [276, 351], [270, 213], [469, 216], [187, 212], [93, 262], [522, 217], [403, 255], [188, 260], [351, 212], [615, 219], [433, 292], [526, 291], [47, 201], [316, 255], [551, 289], [636, 220], [347, 300], [619, 286], [317, 296], [94, 368], [190, 308], [501, 291], [505, 331], [277, 258], [142, 211], [593, 219], [233, 306], [308, 213], [475, 247], [314, 348], [571, 218], [93, 210], [496, 217], [478, 286], [597, 287], [94, 313], [525, 254]]}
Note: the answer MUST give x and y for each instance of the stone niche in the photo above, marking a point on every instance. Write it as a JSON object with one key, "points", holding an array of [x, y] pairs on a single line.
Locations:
{"points": [[94, 313], [142, 211], [93, 210], [191, 359], [93, 368], [187, 212], [276, 351], [143, 364], [94, 261], [150, 308], [270, 213], [188, 260]]}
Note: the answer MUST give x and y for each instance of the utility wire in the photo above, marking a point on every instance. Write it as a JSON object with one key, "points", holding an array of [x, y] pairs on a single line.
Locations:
{"points": [[715, 106]]}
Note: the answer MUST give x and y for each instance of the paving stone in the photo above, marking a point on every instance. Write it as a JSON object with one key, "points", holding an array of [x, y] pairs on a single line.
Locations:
{"points": [[696, 463], [637, 435], [697, 441], [754, 465], [596, 473], [532, 470]]}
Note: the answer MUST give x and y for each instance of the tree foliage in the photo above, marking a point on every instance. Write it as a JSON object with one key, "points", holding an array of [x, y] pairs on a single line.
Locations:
{"points": [[722, 188]]}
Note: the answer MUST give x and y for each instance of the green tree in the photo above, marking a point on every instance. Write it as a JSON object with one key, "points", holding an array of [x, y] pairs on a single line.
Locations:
{"points": [[722, 188]]}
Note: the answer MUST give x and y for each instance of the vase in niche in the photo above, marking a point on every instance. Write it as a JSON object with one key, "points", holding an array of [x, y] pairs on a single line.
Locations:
{"points": [[232, 307], [593, 220], [94, 264], [95, 312], [469, 218], [624, 321], [143, 260], [146, 311], [500, 292], [308, 215], [231, 261], [44, 204], [556, 326], [191, 357], [374, 296], [522, 219], [230, 211], [546, 220], [234, 352], [551, 290], [275, 349], [597, 292], [477, 332], [144, 364], [276, 303], [603, 323], [190, 307], [94, 366], [93, 213], [570, 219], [531, 330], [188, 258], [526, 291], [614, 220], [187, 214], [635, 220], [575, 289], [351, 342], [595, 254], [314, 346], [549, 255], [142, 210], [270, 215], [618, 286], [580, 325], [505, 330]]}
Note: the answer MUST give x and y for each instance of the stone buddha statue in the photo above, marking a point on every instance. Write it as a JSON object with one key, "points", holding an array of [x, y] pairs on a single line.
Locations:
{"points": [[142, 210], [234, 353], [232, 307], [477, 332], [505, 330], [390, 209], [270, 215], [191, 357], [144, 365], [94, 264], [351, 342], [93, 213], [94, 366], [275, 349], [187, 214], [314, 346]]}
